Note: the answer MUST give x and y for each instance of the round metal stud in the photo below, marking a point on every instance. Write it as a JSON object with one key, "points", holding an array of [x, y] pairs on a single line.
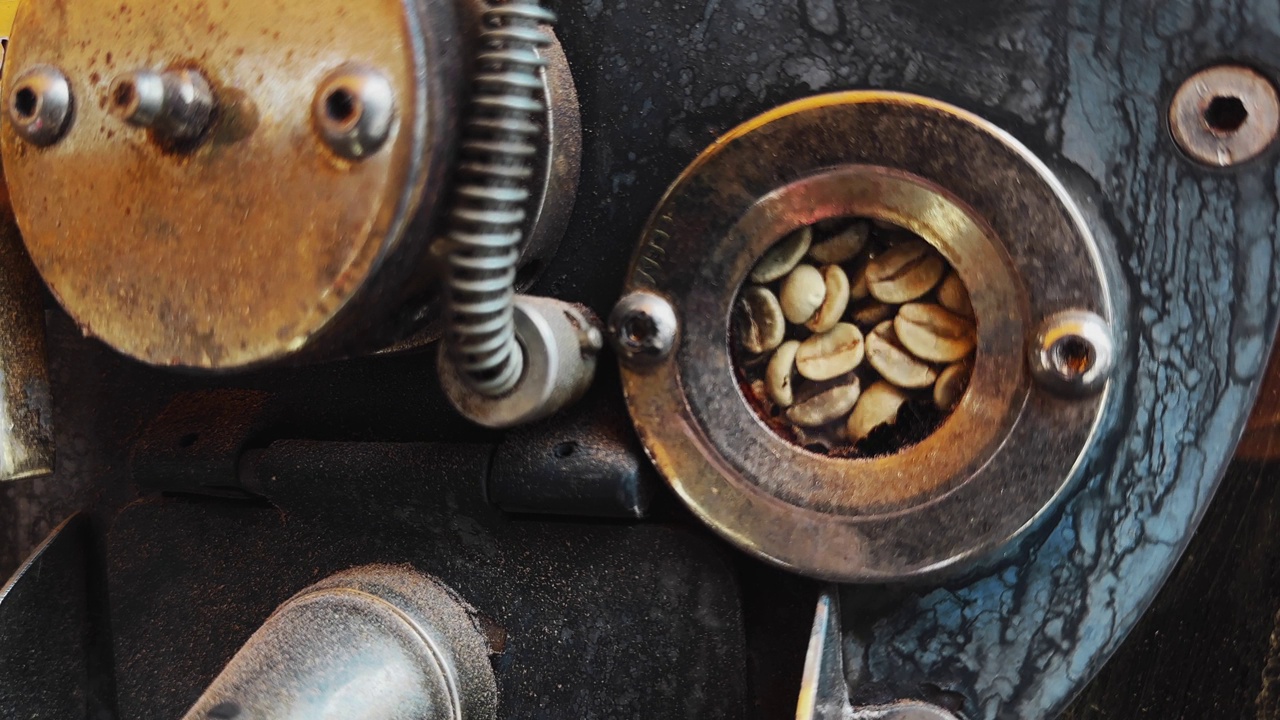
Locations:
{"points": [[40, 105], [178, 105], [1225, 115], [354, 110], [1073, 354], [643, 328], [138, 98]]}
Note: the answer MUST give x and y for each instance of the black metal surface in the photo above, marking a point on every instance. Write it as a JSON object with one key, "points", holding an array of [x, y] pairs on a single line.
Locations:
{"points": [[591, 621], [587, 463], [52, 633]]}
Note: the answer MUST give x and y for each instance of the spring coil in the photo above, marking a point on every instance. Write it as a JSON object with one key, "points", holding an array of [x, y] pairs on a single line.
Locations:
{"points": [[500, 143]]}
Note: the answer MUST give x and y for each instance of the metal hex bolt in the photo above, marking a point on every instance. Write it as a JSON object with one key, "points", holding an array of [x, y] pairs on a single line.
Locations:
{"points": [[643, 328], [353, 111], [1225, 115], [40, 105], [1073, 353]]}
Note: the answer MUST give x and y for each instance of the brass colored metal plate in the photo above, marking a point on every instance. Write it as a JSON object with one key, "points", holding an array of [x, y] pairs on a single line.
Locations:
{"points": [[8, 10], [246, 249]]}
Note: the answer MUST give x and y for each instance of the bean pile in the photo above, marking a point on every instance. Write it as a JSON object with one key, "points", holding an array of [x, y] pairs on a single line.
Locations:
{"points": [[854, 337]]}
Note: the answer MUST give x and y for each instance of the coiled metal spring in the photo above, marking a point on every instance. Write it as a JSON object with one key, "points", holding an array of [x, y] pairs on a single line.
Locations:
{"points": [[485, 232]]}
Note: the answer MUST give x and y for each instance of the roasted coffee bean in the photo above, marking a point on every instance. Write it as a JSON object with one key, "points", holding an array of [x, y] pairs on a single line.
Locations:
{"points": [[778, 374], [878, 405], [904, 272], [871, 314], [783, 256], [933, 333], [831, 354], [844, 246], [858, 283], [953, 296], [835, 302], [802, 294], [760, 321], [825, 407], [894, 362], [951, 385]]}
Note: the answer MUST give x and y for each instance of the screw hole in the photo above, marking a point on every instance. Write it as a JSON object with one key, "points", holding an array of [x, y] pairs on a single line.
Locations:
{"points": [[1225, 114], [565, 449], [188, 440], [341, 106], [638, 329], [1073, 356], [26, 102]]}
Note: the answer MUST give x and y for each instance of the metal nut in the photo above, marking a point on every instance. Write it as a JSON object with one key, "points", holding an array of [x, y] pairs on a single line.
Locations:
{"points": [[878, 405], [778, 375], [951, 385], [933, 333], [802, 294], [904, 272], [642, 328], [783, 256], [953, 296], [40, 105], [894, 362], [842, 247], [826, 406], [835, 302], [831, 354], [760, 320]]}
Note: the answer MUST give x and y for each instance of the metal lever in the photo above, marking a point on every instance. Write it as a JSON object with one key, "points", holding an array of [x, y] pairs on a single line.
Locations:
{"points": [[824, 691]]}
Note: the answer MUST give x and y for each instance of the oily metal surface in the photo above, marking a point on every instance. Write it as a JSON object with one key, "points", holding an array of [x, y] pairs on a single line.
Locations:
{"points": [[247, 247], [26, 408], [1016, 241]]}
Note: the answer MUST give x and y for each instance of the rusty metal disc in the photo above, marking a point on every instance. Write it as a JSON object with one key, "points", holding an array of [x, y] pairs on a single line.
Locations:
{"points": [[259, 241]]}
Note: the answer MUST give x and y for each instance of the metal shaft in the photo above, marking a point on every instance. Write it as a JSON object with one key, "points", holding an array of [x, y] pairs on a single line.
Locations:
{"points": [[26, 413]]}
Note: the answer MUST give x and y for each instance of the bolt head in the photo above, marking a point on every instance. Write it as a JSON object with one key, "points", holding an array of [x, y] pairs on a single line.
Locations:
{"points": [[39, 105], [354, 110], [1073, 354], [643, 328]]}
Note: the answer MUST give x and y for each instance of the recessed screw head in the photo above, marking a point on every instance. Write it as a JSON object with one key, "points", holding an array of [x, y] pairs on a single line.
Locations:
{"points": [[643, 328], [39, 105], [353, 111], [1073, 354], [1225, 115]]}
